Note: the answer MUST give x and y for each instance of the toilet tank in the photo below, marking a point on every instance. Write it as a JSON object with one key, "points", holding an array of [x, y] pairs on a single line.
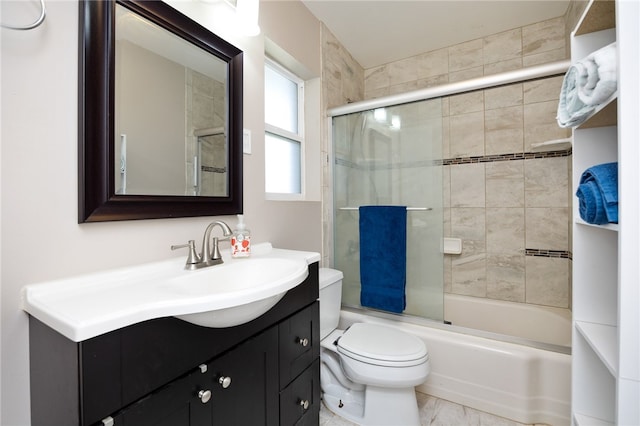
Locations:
{"points": [[330, 300]]}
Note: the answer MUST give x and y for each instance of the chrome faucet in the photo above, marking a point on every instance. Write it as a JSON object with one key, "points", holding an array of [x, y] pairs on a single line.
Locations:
{"points": [[210, 254]]}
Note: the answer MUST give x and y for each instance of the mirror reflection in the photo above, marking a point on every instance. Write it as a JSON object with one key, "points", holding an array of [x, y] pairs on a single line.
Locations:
{"points": [[170, 121]]}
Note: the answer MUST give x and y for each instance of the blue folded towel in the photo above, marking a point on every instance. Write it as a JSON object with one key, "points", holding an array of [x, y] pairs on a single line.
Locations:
{"points": [[598, 194], [383, 257]]}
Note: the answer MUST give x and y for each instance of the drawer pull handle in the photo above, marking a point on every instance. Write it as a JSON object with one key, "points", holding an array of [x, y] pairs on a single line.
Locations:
{"points": [[204, 395], [304, 403], [303, 341], [225, 381]]}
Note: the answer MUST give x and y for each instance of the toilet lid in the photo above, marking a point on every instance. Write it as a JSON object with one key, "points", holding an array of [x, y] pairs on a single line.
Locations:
{"points": [[378, 344]]}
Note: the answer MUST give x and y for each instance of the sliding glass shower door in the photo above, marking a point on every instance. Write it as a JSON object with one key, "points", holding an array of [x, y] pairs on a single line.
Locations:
{"points": [[392, 156]]}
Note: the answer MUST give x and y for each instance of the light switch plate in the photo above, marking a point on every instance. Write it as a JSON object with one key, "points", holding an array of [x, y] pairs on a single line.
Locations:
{"points": [[246, 141]]}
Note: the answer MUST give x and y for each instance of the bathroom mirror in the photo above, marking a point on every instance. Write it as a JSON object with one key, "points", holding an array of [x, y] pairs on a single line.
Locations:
{"points": [[160, 115]]}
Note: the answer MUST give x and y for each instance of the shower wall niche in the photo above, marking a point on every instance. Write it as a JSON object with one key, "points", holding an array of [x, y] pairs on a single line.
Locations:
{"points": [[392, 156]]}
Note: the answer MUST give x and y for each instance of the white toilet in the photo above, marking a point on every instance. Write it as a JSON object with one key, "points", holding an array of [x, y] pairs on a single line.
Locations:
{"points": [[368, 371]]}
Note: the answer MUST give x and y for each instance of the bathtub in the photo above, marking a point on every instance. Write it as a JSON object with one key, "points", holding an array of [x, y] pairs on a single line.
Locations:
{"points": [[532, 322], [519, 382]]}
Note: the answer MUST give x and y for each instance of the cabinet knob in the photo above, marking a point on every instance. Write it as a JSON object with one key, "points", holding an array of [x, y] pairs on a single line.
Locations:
{"points": [[204, 395], [304, 403], [303, 341], [225, 381]]}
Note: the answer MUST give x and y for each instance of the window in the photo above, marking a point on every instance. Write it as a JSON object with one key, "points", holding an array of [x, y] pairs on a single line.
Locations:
{"points": [[284, 106]]}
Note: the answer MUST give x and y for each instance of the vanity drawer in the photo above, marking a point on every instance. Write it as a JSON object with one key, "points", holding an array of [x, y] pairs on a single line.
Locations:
{"points": [[303, 392], [299, 343]]}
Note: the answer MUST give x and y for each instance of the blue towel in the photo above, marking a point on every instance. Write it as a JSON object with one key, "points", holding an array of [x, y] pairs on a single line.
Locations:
{"points": [[598, 194], [383, 257]]}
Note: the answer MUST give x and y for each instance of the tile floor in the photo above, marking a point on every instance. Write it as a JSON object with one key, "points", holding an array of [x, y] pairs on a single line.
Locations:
{"points": [[434, 412]]}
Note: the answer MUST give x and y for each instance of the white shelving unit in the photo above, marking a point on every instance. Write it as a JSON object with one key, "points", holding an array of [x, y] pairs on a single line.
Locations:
{"points": [[606, 259]]}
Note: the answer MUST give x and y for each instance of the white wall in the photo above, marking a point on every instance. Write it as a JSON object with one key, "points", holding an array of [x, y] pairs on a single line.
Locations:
{"points": [[40, 237]]}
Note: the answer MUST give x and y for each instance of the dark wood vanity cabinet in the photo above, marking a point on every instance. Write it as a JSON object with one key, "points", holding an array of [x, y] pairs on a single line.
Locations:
{"points": [[169, 372]]}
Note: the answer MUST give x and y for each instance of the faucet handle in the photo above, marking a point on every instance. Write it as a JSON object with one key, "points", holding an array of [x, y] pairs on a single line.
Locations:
{"points": [[215, 252], [193, 258]]}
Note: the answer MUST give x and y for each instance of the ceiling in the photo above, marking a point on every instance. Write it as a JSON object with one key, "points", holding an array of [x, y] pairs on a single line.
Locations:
{"points": [[376, 32]]}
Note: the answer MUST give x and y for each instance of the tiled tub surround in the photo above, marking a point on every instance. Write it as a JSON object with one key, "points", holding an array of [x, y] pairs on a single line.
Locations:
{"points": [[501, 209], [507, 200], [504, 198], [522, 204]]}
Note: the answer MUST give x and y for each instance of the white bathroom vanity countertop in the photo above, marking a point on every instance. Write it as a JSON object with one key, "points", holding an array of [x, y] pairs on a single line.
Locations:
{"points": [[89, 305]]}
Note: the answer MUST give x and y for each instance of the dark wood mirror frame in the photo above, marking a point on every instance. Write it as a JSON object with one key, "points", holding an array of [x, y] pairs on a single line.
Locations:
{"points": [[97, 201]]}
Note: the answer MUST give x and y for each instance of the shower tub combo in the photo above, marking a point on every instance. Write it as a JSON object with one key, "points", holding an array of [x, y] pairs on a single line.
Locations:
{"points": [[509, 359]]}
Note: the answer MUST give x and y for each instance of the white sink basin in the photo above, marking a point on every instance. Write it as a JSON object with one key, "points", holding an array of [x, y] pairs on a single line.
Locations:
{"points": [[233, 293], [256, 283]]}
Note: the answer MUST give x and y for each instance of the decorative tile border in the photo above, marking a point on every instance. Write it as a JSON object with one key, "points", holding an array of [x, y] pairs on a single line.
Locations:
{"points": [[455, 160], [505, 157], [344, 162], [564, 254], [210, 169], [369, 166]]}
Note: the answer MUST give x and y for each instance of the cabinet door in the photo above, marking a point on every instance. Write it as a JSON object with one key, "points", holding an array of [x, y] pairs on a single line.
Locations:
{"points": [[237, 388], [249, 373], [179, 403]]}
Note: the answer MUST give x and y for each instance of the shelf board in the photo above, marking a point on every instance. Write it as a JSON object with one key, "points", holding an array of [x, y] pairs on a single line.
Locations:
{"points": [[608, 226], [603, 339], [600, 15], [584, 420], [605, 115]]}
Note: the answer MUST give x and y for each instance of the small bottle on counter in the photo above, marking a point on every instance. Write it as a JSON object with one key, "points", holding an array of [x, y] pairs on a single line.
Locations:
{"points": [[241, 239]]}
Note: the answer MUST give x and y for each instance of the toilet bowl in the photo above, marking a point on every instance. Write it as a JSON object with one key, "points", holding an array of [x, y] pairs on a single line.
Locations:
{"points": [[368, 371]]}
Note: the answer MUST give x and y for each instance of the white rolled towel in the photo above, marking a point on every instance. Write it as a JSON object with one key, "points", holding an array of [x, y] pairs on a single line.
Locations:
{"points": [[601, 79], [588, 83]]}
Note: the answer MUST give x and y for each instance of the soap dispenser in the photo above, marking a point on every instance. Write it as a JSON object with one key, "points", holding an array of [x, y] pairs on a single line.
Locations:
{"points": [[241, 239]]}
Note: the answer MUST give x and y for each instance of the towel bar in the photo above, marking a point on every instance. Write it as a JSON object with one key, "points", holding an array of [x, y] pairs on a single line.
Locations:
{"points": [[408, 208]]}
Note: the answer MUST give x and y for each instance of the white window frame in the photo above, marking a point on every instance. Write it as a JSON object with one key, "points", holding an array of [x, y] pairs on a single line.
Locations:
{"points": [[298, 137]]}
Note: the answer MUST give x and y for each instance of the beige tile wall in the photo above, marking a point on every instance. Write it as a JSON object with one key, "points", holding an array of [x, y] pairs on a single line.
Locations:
{"points": [[342, 76], [342, 83], [504, 211], [521, 47]]}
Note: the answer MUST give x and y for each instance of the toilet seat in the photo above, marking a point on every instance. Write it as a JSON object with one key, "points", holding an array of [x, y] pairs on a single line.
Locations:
{"points": [[383, 346]]}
